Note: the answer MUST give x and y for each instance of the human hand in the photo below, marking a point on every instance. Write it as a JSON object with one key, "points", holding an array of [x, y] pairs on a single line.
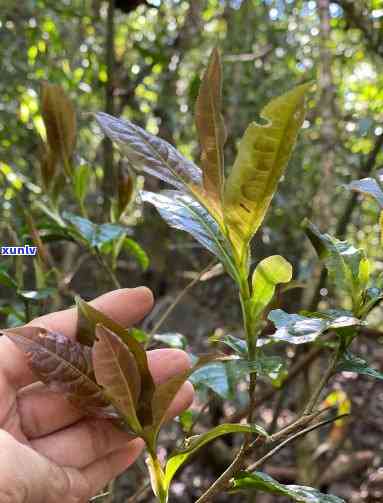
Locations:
{"points": [[50, 452]]}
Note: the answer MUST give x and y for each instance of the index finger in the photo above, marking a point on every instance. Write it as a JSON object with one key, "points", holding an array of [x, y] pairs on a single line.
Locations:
{"points": [[125, 306]]}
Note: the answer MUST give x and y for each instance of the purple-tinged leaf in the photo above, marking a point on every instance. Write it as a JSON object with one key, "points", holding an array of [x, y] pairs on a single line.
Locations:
{"points": [[64, 366], [117, 372], [88, 320], [149, 153]]}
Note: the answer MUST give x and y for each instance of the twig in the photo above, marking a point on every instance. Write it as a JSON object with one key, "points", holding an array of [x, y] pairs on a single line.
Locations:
{"points": [[306, 360], [222, 482], [139, 493], [107, 268], [179, 297], [280, 446], [322, 383]]}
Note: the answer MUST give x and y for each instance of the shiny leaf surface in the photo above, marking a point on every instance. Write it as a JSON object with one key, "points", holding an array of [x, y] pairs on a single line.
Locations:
{"points": [[353, 363], [259, 481], [298, 329], [184, 213], [149, 153]]}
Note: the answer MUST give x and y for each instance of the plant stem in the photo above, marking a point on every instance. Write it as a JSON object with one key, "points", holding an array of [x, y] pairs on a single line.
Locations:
{"points": [[107, 269], [280, 446], [322, 383], [222, 482]]}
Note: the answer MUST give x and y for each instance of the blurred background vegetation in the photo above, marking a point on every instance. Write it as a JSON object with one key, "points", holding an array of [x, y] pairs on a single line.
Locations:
{"points": [[143, 60]]}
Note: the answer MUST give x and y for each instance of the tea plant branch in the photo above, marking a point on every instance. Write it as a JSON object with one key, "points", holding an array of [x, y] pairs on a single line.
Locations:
{"points": [[223, 481], [177, 300], [343, 222], [145, 488], [107, 268], [303, 362], [322, 383], [280, 446]]}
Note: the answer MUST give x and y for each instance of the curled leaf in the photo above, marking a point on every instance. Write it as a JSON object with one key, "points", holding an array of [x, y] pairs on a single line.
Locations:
{"points": [[267, 275], [116, 371], [211, 127]]}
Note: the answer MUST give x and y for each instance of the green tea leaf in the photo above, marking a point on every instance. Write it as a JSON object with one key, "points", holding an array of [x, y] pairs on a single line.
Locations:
{"points": [[193, 444], [116, 371], [272, 367], [7, 280], [81, 179], [353, 363], [268, 274], [259, 481], [298, 329], [369, 187], [211, 127], [133, 248], [341, 259], [149, 153], [88, 319], [261, 161], [94, 234], [216, 376], [184, 213], [235, 343], [64, 366]]}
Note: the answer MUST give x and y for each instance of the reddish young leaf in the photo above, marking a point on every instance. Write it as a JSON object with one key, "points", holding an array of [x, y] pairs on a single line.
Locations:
{"points": [[64, 366], [211, 127], [60, 122], [88, 318], [117, 372], [166, 392]]}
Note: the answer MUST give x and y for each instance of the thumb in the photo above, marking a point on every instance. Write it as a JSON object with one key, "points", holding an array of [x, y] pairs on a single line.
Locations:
{"points": [[28, 477]]}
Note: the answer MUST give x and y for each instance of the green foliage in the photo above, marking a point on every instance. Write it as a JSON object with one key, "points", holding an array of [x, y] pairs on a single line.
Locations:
{"points": [[222, 209], [298, 329], [264, 483], [267, 275], [192, 444]]}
